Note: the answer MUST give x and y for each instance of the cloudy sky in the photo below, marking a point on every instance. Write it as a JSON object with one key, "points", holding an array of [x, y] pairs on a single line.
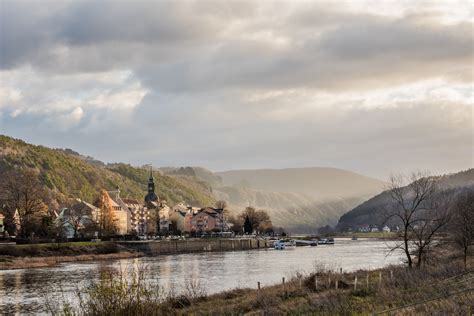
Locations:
{"points": [[371, 86]]}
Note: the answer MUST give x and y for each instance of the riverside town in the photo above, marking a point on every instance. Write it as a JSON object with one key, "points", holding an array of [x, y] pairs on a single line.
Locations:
{"points": [[236, 157]]}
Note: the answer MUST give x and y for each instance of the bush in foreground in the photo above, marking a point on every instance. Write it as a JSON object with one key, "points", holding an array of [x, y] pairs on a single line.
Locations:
{"points": [[444, 288]]}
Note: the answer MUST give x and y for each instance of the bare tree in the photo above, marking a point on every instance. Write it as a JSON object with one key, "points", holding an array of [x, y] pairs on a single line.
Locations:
{"points": [[430, 223], [462, 226], [59, 231], [260, 219], [23, 196], [107, 222], [236, 223], [221, 204], [416, 209], [77, 218]]}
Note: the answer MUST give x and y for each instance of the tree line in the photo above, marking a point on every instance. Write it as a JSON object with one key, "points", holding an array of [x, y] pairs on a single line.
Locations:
{"points": [[249, 221], [30, 212]]}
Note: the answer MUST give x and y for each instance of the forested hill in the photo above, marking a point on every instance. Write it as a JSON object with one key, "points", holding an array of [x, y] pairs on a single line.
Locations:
{"points": [[299, 199], [67, 174], [373, 211]]}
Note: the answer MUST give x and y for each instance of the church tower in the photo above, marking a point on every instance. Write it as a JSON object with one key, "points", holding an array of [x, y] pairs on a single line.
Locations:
{"points": [[151, 196]]}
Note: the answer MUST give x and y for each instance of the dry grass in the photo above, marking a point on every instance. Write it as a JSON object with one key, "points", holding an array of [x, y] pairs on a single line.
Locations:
{"points": [[401, 291], [398, 288]]}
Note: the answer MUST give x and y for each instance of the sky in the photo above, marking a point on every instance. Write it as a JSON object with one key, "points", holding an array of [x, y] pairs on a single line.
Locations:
{"points": [[374, 87]]}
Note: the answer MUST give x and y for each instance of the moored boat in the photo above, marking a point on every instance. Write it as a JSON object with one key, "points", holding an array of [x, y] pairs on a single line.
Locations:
{"points": [[283, 244], [326, 241]]}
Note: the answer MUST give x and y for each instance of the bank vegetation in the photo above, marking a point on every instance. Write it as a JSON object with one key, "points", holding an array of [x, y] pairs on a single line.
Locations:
{"points": [[445, 287]]}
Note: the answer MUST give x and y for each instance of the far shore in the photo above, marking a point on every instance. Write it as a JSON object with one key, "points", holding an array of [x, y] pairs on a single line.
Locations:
{"points": [[375, 235], [12, 263], [28, 256]]}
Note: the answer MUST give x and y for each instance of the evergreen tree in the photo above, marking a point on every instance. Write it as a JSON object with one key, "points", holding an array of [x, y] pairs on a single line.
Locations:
{"points": [[248, 229]]}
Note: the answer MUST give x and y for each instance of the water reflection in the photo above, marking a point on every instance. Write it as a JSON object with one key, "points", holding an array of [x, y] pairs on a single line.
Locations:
{"points": [[36, 290]]}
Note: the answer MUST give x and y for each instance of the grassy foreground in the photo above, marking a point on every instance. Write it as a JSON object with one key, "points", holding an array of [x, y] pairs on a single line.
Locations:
{"points": [[444, 288]]}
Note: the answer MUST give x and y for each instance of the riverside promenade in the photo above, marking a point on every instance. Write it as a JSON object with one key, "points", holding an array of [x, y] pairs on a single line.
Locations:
{"points": [[160, 247]]}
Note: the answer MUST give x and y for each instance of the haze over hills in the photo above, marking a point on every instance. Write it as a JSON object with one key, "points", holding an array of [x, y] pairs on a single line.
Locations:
{"points": [[373, 211], [316, 182], [299, 199]]}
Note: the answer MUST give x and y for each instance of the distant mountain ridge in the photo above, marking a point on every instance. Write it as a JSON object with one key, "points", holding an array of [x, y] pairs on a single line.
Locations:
{"points": [[372, 211], [299, 199], [314, 181]]}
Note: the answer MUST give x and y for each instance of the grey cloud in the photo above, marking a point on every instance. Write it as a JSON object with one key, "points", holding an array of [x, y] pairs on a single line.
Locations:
{"points": [[200, 62], [358, 56], [92, 22], [179, 46]]}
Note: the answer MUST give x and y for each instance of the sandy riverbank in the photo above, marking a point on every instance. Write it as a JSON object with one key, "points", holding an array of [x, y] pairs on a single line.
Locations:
{"points": [[8, 262]]}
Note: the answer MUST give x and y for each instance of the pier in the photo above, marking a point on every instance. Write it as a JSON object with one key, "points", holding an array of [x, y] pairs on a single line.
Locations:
{"points": [[159, 247]]}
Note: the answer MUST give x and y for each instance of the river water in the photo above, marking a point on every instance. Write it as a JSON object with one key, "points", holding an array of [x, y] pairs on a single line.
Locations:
{"points": [[31, 290]]}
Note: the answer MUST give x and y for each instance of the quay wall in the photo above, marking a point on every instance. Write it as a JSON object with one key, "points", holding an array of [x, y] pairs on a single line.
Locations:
{"points": [[159, 247]]}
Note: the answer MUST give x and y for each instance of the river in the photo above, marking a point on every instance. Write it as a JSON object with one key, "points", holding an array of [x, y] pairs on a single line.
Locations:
{"points": [[30, 290]]}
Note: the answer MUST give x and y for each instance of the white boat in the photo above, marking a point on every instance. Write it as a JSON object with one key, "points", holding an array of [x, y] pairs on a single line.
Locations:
{"points": [[283, 244], [326, 241]]}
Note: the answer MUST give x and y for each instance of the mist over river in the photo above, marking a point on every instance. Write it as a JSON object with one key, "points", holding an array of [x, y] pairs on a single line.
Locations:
{"points": [[28, 290]]}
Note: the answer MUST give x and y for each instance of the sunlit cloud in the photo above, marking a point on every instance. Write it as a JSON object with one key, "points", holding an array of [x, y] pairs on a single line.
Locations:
{"points": [[243, 84]]}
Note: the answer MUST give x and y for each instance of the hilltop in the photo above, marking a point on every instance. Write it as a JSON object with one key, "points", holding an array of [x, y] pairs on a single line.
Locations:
{"points": [[299, 199], [318, 182], [372, 211], [67, 174]]}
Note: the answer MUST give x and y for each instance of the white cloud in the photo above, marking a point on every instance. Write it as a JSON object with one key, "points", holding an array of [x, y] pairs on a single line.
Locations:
{"points": [[69, 120], [68, 97], [243, 84]]}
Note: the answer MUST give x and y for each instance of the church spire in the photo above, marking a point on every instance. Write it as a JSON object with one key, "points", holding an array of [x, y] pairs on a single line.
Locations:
{"points": [[151, 182], [151, 196]]}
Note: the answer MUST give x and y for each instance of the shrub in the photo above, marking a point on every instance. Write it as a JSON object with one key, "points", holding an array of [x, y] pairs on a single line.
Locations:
{"points": [[108, 247], [119, 294], [10, 251], [31, 251]]}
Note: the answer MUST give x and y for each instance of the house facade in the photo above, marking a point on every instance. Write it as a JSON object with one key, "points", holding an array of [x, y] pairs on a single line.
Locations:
{"points": [[206, 220], [181, 216], [120, 212], [177, 219], [139, 216], [164, 212]]}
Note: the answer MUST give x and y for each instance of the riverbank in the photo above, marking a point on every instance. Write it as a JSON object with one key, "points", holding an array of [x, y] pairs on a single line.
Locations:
{"points": [[49, 255], [10, 263], [167, 247], [444, 288], [376, 235]]}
